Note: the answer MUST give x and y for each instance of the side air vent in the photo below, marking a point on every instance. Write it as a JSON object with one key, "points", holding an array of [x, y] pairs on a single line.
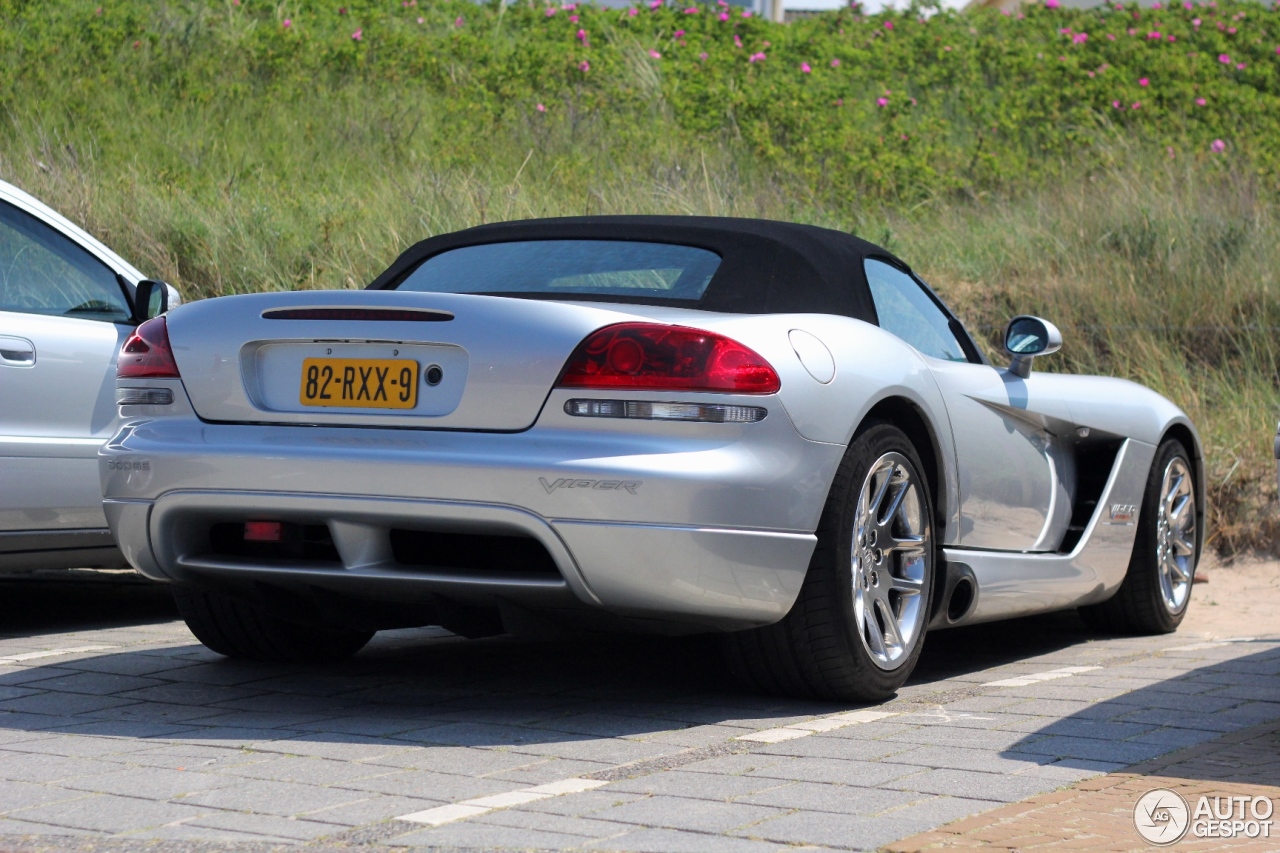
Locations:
{"points": [[1094, 461], [401, 315]]}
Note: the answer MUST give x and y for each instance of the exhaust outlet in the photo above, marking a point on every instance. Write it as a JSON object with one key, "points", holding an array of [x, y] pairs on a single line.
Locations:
{"points": [[958, 599]]}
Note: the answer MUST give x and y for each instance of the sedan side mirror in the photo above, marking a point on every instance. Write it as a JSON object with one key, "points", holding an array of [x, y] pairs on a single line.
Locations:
{"points": [[1027, 337], [151, 299]]}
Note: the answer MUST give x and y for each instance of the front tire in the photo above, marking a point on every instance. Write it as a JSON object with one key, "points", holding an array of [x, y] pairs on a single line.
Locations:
{"points": [[1156, 591], [239, 629], [857, 627]]}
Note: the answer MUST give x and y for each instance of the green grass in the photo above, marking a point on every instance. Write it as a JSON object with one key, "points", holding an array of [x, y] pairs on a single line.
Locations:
{"points": [[228, 154]]}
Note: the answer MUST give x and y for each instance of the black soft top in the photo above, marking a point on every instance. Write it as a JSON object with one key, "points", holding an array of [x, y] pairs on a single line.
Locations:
{"points": [[766, 267]]}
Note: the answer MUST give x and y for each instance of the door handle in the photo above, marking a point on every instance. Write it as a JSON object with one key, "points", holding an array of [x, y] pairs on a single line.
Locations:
{"points": [[17, 352]]}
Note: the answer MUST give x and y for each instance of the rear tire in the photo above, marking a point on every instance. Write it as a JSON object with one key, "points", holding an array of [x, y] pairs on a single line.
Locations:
{"points": [[857, 627], [239, 629], [1156, 591]]}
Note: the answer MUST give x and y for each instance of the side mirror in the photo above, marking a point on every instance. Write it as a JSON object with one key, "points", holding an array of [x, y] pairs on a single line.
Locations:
{"points": [[1027, 337], [151, 299]]}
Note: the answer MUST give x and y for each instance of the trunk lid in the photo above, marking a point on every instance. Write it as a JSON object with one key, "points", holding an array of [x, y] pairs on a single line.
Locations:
{"points": [[475, 362]]}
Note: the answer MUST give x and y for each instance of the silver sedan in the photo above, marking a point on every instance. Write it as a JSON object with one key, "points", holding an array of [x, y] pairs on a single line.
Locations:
{"points": [[66, 307], [770, 431]]}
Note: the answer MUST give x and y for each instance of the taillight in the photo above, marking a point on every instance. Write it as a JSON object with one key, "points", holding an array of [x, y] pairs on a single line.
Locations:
{"points": [[147, 353], [642, 356]]}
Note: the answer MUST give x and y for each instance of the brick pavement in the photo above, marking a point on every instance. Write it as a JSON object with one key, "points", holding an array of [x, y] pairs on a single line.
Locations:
{"points": [[149, 741]]}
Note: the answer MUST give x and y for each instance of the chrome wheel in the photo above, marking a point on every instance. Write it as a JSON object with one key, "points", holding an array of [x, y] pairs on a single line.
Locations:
{"points": [[1176, 536], [890, 556]]}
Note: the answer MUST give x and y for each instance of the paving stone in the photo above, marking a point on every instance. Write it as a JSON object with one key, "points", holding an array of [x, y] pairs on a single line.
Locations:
{"points": [[686, 813], [837, 830], [943, 809], [675, 841], [540, 772], [30, 767], [431, 786], [63, 704], [961, 758], [314, 771], [842, 799], [470, 834], [822, 746], [108, 813], [266, 825], [544, 822], [47, 832], [966, 783], [192, 832], [1087, 748], [372, 810], [94, 683], [863, 773], [283, 799], [21, 795], [586, 803], [154, 784], [702, 786]]}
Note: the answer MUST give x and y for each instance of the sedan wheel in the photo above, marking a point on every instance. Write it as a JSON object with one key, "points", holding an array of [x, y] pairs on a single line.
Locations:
{"points": [[1176, 535], [889, 564], [858, 625]]}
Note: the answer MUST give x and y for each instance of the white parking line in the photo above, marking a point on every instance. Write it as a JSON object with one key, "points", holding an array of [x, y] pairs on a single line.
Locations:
{"points": [[441, 815], [822, 724], [1037, 677], [52, 653]]}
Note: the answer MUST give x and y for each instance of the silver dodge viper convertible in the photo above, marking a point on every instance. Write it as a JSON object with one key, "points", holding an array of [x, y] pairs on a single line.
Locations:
{"points": [[771, 431]]}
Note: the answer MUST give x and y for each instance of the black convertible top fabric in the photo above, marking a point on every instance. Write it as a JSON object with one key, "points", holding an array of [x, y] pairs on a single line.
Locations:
{"points": [[766, 267]]}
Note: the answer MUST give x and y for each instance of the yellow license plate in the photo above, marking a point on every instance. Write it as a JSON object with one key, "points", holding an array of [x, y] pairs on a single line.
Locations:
{"points": [[360, 383]]}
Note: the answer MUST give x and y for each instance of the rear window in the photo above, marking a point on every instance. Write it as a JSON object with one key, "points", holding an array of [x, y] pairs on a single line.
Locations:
{"points": [[569, 269]]}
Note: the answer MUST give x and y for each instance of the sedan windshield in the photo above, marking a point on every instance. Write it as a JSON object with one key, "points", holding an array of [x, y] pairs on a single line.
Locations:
{"points": [[569, 269]]}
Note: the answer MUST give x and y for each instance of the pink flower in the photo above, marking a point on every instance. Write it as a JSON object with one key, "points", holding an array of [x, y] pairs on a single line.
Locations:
{"points": [[1051, 4], [540, 108], [1170, 150], [358, 35], [1224, 59], [1132, 31], [655, 4], [724, 16], [1200, 102], [746, 13], [888, 25], [459, 22], [757, 57], [692, 10], [1187, 6], [582, 36], [1231, 31], [569, 7], [1115, 104], [703, 56], [633, 11], [1144, 82], [679, 34], [805, 68], [420, 20], [1239, 66], [1195, 22], [584, 66], [1080, 38], [737, 40], [1137, 105], [573, 19], [947, 48], [1154, 36], [551, 10], [342, 10], [1218, 146], [286, 23], [839, 102], [882, 102], [1111, 36], [654, 54]]}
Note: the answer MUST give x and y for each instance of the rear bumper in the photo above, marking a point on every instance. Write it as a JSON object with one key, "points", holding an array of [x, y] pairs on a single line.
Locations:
{"points": [[716, 531]]}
